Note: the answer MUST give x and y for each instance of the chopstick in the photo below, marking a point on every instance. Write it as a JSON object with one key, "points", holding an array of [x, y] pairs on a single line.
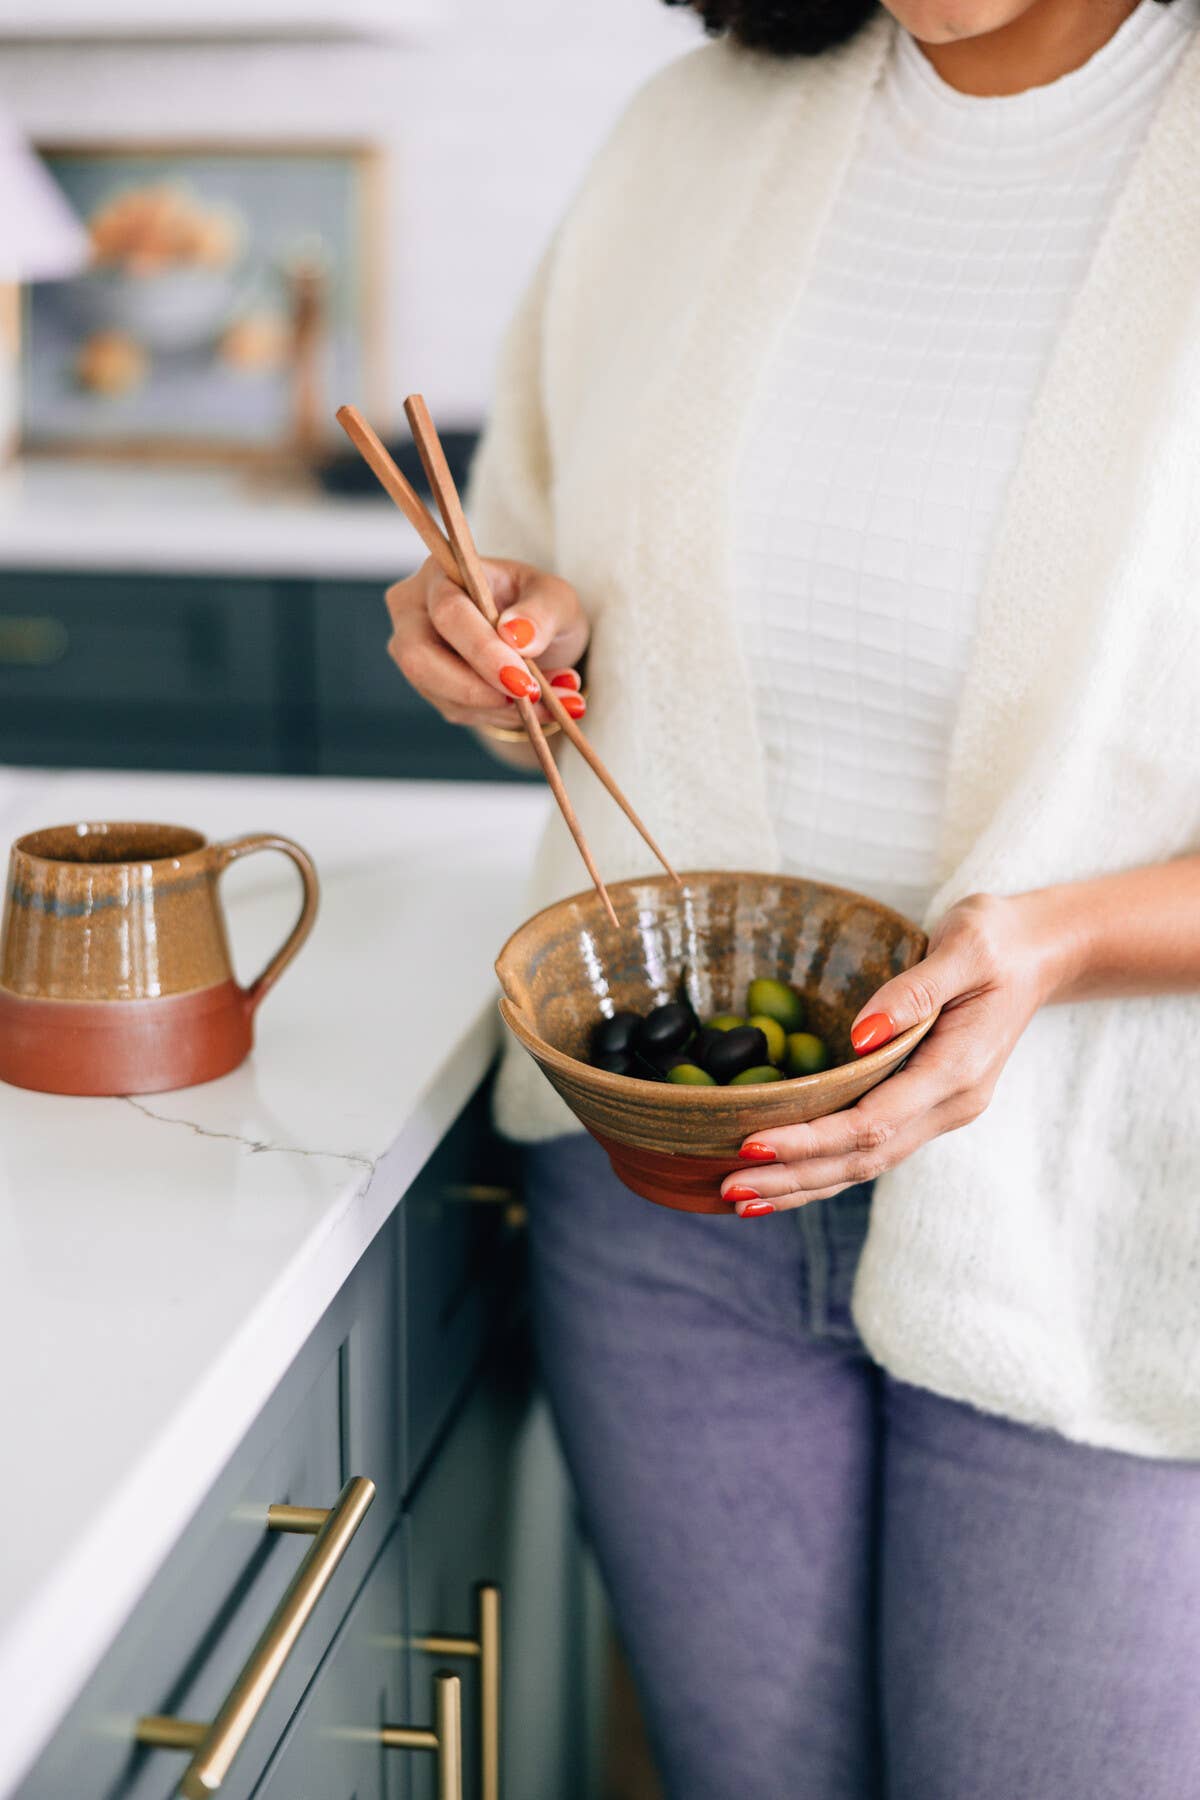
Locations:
{"points": [[459, 560], [473, 579]]}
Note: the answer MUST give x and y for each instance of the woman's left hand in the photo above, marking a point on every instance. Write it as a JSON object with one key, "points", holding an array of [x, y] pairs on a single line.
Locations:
{"points": [[990, 964]]}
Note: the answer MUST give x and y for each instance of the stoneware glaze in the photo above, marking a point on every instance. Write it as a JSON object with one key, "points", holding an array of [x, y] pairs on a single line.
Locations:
{"points": [[566, 968], [115, 976]]}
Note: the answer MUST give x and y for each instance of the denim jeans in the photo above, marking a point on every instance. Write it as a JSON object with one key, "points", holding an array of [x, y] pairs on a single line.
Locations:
{"points": [[831, 1586]]}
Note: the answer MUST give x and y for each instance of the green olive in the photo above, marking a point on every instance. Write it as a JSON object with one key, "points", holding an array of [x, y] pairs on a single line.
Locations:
{"points": [[778, 1001], [688, 1075], [774, 1033], [806, 1054], [756, 1077], [726, 1022]]}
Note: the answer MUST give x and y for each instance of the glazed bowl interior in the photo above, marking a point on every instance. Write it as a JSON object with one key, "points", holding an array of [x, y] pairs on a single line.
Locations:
{"points": [[567, 967]]}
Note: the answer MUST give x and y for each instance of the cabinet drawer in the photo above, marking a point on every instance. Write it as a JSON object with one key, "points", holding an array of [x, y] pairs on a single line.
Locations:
{"points": [[369, 721], [495, 1507], [331, 1749], [462, 1246], [203, 1614], [178, 671]]}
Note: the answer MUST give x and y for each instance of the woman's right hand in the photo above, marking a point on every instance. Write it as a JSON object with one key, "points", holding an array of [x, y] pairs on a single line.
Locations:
{"points": [[445, 647]]}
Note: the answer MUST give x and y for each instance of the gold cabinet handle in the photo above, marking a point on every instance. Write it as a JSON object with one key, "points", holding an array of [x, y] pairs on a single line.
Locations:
{"points": [[445, 1740], [215, 1746], [32, 643], [486, 1646], [485, 1193]]}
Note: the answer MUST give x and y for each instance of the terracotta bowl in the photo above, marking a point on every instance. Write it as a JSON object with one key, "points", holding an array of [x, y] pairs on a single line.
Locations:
{"points": [[566, 968]]}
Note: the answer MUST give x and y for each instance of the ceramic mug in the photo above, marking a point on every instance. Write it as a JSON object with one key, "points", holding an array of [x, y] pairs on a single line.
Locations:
{"points": [[115, 976]]}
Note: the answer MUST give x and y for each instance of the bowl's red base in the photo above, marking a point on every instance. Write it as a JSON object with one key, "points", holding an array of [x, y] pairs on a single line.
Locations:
{"points": [[686, 1183]]}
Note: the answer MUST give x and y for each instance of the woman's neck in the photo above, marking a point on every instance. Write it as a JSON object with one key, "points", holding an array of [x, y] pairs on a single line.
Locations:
{"points": [[1049, 39]]}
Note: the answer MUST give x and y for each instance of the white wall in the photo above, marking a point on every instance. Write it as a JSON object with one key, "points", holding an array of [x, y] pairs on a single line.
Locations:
{"points": [[488, 123]]}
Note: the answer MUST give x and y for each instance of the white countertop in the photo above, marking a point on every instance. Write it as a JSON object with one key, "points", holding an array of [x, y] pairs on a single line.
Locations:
{"points": [[80, 514], [162, 1260]]}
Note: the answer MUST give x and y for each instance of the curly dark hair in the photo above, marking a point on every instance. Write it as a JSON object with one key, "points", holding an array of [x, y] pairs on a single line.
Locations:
{"points": [[786, 27]]}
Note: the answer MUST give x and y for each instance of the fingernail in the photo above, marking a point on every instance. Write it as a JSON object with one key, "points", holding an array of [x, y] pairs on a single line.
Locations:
{"points": [[759, 1210], [519, 683], [872, 1031], [518, 632], [756, 1152], [741, 1193], [574, 705], [567, 678]]}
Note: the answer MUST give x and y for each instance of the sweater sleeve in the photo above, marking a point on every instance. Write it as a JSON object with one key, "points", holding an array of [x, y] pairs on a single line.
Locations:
{"points": [[509, 497]]}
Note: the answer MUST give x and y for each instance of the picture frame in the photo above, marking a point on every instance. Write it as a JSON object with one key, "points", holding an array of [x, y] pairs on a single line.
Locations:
{"points": [[235, 298]]}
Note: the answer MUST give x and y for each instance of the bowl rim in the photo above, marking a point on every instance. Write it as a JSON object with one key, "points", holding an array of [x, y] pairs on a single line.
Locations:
{"points": [[686, 875], [672, 1093]]}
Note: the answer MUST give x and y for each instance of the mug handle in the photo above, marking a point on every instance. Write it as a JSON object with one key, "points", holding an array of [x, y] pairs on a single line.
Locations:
{"points": [[224, 854]]}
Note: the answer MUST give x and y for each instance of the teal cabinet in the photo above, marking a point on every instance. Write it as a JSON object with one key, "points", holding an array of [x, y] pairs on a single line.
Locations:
{"points": [[246, 674], [494, 1509], [419, 1377], [333, 1415], [141, 671], [462, 1248]]}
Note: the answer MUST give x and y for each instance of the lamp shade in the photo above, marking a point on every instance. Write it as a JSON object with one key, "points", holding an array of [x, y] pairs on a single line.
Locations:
{"points": [[40, 237]]}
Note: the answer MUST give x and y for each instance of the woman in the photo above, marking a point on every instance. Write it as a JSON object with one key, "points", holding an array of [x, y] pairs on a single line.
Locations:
{"points": [[850, 427]]}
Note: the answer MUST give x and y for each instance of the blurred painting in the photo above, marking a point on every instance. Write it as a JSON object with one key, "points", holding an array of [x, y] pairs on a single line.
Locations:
{"points": [[228, 306]]}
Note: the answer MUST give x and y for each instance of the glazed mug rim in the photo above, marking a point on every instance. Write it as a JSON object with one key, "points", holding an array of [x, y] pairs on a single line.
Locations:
{"points": [[34, 845]]}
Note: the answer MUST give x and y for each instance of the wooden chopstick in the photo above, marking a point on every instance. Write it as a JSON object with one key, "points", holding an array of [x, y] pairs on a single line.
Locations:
{"points": [[475, 581], [375, 454]]}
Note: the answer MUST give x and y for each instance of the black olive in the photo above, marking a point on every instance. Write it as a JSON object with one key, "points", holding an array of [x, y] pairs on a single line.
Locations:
{"points": [[619, 1064], [614, 1037], [709, 1035], [646, 1070], [665, 1030], [744, 1047]]}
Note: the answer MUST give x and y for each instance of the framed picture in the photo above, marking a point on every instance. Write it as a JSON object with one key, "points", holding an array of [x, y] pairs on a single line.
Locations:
{"points": [[232, 301]]}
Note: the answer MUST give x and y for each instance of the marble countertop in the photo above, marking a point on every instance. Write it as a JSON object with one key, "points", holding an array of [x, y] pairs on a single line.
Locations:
{"points": [[163, 1259], [60, 514]]}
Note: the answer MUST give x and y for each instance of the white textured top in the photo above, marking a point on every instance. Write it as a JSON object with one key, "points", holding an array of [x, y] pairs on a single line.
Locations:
{"points": [[888, 422]]}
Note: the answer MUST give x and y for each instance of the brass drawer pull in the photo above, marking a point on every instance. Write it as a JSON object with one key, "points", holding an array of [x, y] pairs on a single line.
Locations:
{"points": [[483, 1193], [445, 1740], [32, 643], [216, 1745], [486, 1646]]}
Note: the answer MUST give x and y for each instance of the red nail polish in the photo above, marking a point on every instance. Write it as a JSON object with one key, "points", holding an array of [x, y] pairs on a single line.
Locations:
{"points": [[567, 678], [574, 705], [519, 683], [872, 1031], [517, 632], [741, 1193], [755, 1152], [759, 1210]]}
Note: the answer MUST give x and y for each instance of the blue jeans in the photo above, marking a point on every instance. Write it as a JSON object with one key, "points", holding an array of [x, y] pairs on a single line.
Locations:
{"points": [[831, 1586]]}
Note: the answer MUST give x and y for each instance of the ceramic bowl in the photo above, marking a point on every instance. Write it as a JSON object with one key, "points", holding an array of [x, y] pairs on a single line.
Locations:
{"points": [[566, 968]]}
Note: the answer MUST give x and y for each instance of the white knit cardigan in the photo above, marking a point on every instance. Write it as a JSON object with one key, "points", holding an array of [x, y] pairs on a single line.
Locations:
{"points": [[1043, 1262]]}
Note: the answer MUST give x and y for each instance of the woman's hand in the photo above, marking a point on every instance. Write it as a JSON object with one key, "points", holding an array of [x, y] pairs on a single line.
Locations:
{"points": [[991, 963], [445, 647]]}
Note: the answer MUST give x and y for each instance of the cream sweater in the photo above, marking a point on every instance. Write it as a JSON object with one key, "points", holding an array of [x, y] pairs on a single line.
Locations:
{"points": [[1044, 1262]]}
